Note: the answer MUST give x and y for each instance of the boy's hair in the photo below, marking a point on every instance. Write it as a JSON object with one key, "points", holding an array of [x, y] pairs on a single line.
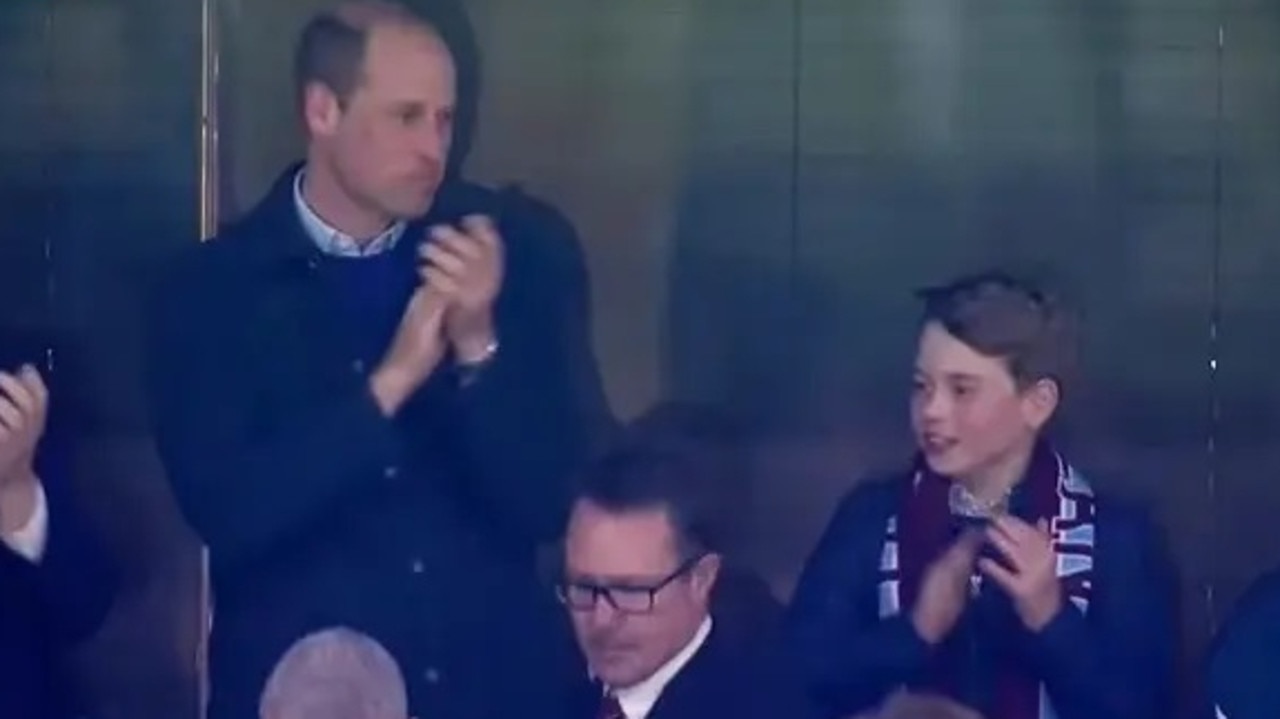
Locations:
{"points": [[1009, 318]]}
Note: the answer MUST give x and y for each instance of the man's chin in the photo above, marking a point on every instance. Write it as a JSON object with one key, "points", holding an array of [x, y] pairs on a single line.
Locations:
{"points": [[618, 673], [412, 208]]}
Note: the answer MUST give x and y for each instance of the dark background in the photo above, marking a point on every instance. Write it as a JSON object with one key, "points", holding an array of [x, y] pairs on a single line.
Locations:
{"points": [[759, 186]]}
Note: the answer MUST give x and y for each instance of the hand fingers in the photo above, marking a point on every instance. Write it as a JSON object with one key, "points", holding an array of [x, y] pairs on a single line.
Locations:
{"points": [[468, 247], [961, 554], [445, 259], [1002, 531], [1005, 544], [427, 305], [461, 243], [969, 542], [12, 418], [439, 281], [1017, 530], [998, 574], [16, 388], [483, 229], [31, 378]]}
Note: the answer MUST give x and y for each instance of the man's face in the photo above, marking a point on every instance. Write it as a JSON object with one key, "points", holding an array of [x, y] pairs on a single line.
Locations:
{"points": [[388, 145], [629, 554], [967, 411]]}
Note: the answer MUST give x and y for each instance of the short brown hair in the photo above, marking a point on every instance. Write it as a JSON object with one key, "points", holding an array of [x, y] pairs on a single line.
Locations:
{"points": [[1003, 316], [650, 472], [332, 46]]}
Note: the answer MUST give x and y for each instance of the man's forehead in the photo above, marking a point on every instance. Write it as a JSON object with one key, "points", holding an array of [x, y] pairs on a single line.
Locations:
{"points": [[407, 68], [653, 519], [396, 42]]}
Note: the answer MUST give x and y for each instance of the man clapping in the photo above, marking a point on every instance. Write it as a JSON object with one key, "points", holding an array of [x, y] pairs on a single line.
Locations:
{"points": [[55, 586]]}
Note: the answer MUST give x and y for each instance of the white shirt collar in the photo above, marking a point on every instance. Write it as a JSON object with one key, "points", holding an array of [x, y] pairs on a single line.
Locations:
{"points": [[638, 700], [333, 241]]}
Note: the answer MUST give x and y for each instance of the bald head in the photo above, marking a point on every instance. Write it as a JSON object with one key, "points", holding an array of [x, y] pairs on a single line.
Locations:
{"points": [[335, 674], [904, 705]]}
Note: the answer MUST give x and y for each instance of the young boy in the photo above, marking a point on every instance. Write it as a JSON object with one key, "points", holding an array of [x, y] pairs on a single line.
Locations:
{"points": [[989, 572]]}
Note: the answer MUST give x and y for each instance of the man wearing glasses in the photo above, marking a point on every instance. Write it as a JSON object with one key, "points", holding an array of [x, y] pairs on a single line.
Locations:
{"points": [[641, 559]]}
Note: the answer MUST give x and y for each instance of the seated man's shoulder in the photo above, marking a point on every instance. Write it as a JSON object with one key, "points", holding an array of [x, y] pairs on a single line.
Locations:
{"points": [[1246, 652], [1127, 517], [1265, 591], [1258, 610]]}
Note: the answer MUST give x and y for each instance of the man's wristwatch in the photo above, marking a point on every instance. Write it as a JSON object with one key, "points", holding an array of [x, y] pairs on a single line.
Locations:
{"points": [[469, 372]]}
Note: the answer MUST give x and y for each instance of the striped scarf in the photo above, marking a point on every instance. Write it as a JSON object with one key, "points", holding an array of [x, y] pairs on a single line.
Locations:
{"points": [[1053, 490]]}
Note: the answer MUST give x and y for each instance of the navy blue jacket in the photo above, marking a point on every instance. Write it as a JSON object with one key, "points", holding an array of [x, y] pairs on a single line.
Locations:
{"points": [[1244, 665], [1114, 663], [420, 531], [48, 607]]}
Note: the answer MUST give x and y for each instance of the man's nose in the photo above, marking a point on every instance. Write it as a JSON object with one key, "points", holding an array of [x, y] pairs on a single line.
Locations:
{"points": [[604, 614], [433, 142]]}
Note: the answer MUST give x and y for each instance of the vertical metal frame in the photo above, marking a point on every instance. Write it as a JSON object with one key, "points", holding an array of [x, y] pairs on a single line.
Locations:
{"points": [[209, 203]]}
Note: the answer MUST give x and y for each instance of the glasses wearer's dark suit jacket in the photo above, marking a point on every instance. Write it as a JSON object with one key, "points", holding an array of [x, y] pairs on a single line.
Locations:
{"points": [[731, 675]]}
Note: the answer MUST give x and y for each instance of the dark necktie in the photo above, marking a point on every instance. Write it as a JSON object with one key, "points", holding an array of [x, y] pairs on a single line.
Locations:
{"points": [[609, 708]]}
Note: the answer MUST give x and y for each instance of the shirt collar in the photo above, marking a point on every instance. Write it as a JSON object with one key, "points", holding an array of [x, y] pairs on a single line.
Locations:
{"points": [[332, 241], [638, 700]]}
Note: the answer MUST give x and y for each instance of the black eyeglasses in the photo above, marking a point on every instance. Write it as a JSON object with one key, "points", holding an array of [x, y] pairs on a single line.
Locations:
{"points": [[628, 599]]}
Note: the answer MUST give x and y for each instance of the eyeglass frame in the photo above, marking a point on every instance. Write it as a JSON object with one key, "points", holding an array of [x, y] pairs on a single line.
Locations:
{"points": [[599, 590]]}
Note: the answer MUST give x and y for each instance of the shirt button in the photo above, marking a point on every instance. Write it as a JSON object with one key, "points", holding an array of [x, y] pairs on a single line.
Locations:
{"points": [[431, 675], [417, 567], [357, 366], [391, 472]]}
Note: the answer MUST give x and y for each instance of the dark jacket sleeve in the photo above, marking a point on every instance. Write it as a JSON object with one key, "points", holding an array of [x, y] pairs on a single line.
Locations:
{"points": [[1245, 656], [852, 659], [244, 490], [77, 579], [539, 409], [1116, 662]]}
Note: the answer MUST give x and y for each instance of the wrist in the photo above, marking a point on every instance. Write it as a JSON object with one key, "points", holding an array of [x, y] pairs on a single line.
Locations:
{"points": [[18, 497], [476, 343], [1042, 613], [926, 630], [390, 388]]}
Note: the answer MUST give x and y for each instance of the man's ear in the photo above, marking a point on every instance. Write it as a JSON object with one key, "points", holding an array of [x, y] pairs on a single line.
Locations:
{"points": [[707, 572], [321, 109]]}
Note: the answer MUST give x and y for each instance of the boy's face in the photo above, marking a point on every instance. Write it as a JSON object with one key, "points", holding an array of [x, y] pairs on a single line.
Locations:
{"points": [[969, 416]]}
